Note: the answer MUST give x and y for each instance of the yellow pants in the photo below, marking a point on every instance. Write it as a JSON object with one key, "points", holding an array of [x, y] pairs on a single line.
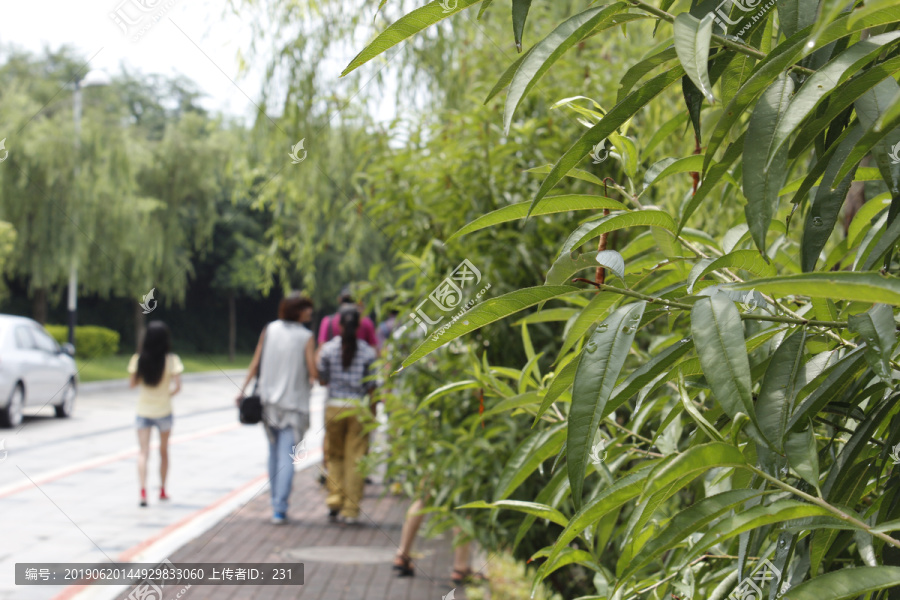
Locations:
{"points": [[346, 445]]}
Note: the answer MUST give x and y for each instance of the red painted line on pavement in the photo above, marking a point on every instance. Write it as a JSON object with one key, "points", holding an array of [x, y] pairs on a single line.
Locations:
{"points": [[99, 462], [126, 556]]}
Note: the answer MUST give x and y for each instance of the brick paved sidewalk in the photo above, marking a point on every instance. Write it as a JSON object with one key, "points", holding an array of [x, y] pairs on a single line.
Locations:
{"points": [[340, 562]]}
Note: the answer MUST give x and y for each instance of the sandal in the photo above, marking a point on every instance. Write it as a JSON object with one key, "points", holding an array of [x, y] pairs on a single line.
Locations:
{"points": [[460, 577], [404, 567]]}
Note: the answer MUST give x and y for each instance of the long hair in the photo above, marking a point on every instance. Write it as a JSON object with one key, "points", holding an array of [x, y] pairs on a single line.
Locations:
{"points": [[152, 359], [349, 324]]}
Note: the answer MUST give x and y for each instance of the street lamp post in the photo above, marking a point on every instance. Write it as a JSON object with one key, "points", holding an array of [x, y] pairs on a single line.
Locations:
{"points": [[92, 78]]}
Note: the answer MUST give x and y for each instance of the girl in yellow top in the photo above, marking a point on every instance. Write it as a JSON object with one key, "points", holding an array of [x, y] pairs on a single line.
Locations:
{"points": [[156, 370]]}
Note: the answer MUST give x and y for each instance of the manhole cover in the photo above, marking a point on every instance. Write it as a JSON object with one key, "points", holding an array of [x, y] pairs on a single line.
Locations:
{"points": [[342, 554]]}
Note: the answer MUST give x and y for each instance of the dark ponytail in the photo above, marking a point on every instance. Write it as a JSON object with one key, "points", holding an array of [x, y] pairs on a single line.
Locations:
{"points": [[152, 358], [349, 325]]}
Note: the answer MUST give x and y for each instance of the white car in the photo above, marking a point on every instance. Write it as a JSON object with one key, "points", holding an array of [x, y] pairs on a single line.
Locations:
{"points": [[34, 371]]}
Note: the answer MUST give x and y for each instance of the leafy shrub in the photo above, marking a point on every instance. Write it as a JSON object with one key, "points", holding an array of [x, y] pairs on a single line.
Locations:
{"points": [[91, 341]]}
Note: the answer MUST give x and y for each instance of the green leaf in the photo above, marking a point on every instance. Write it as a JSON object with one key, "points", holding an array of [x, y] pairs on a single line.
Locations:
{"points": [[819, 84], [823, 214], [620, 113], [763, 181], [620, 220], [686, 522], [549, 50], [870, 108], [719, 339], [692, 37], [693, 461], [591, 313], [858, 287], [716, 173], [827, 386], [561, 382], [884, 245], [664, 169], [483, 8], [442, 391], [519, 15], [603, 358], [507, 75], [541, 511], [608, 499], [547, 206], [635, 73], [753, 518], [611, 261], [794, 15], [779, 387], [800, 449], [877, 328], [549, 315], [406, 26], [882, 128], [646, 373], [527, 457], [840, 99], [748, 260], [564, 267], [848, 582], [487, 312]]}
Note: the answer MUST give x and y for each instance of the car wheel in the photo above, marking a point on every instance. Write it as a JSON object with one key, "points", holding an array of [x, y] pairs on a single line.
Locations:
{"points": [[11, 416], [64, 408]]}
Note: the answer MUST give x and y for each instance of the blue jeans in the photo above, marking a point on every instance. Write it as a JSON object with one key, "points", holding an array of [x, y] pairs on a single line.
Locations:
{"points": [[281, 468]]}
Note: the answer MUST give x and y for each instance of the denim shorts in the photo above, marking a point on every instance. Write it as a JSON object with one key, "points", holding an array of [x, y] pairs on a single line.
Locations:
{"points": [[161, 423]]}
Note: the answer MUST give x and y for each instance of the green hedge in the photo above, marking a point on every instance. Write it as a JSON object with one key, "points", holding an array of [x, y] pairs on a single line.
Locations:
{"points": [[91, 341]]}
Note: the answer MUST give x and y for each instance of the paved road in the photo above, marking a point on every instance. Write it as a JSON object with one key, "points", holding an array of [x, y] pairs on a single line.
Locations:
{"points": [[69, 490]]}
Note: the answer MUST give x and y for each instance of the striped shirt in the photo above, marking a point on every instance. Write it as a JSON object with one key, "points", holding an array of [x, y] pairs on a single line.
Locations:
{"points": [[346, 384]]}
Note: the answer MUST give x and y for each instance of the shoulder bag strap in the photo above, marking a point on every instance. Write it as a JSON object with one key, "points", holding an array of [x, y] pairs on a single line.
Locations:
{"points": [[259, 367]]}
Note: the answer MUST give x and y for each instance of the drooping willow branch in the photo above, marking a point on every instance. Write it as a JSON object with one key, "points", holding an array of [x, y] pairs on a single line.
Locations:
{"points": [[683, 306]]}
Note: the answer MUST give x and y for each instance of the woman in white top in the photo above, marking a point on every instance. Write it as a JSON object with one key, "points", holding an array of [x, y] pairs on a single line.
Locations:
{"points": [[286, 350]]}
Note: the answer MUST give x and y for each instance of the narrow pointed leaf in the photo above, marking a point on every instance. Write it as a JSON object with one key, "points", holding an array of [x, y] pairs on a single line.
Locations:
{"points": [[487, 312], [719, 339], [848, 582], [779, 387], [603, 358], [693, 461], [748, 260], [622, 220], [561, 382], [877, 328], [519, 15], [541, 511], [620, 113], [547, 206], [527, 457], [859, 287], [692, 37], [405, 27], [763, 182], [549, 50]]}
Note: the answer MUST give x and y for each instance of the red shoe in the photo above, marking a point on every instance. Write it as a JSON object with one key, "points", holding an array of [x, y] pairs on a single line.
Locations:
{"points": [[162, 495], [143, 497]]}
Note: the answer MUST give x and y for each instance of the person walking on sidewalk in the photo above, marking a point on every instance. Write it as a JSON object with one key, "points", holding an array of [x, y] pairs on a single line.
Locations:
{"points": [[284, 365], [155, 369], [344, 366]]}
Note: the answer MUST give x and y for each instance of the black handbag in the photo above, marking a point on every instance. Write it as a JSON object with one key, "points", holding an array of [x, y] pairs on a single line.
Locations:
{"points": [[250, 411]]}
